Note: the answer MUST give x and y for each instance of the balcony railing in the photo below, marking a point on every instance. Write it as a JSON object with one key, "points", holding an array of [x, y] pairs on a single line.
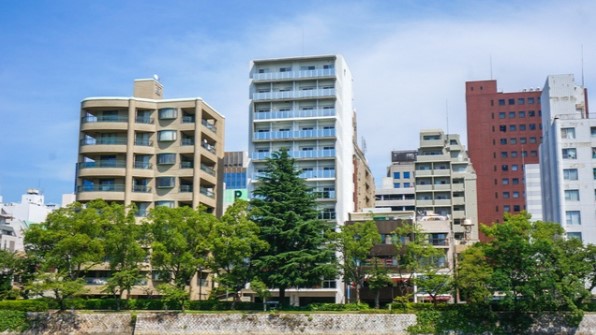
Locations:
{"points": [[96, 280], [318, 92], [325, 194], [141, 188], [298, 154], [208, 169], [208, 146], [207, 192], [327, 215], [104, 141], [101, 188], [144, 119], [317, 174], [103, 164], [294, 134], [438, 241], [142, 165], [185, 188], [294, 114], [209, 125], [143, 142], [188, 119], [188, 141], [106, 118], [294, 74], [186, 165]]}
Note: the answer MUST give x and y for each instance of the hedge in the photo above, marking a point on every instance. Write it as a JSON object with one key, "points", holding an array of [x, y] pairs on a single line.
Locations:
{"points": [[13, 320]]}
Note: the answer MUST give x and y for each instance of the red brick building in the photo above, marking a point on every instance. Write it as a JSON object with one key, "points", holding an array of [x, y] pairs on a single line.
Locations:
{"points": [[504, 132]]}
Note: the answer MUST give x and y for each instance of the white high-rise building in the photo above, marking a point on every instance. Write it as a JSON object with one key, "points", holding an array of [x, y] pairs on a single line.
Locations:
{"points": [[568, 158], [304, 104]]}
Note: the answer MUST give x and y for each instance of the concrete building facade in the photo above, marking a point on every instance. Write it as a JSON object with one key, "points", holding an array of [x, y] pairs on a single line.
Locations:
{"points": [[446, 182], [568, 158], [150, 151], [504, 131], [304, 104], [235, 164], [397, 191]]}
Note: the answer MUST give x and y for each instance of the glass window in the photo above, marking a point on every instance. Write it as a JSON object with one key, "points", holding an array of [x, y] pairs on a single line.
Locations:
{"points": [[594, 172], [504, 167], [572, 195], [514, 154], [522, 114], [407, 185], [593, 131], [407, 174], [503, 128], [532, 139], [505, 181], [571, 174], [522, 127], [503, 141], [501, 102], [515, 181], [511, 101], [165, 203], [165, 182], [568, 133], [532, 126], [531, 114], [503, 154], [505, 195], [569, 153], [593, 152], [502, 115], [531, 101], [167, 113], [522, 140], [512, 127], [513, 141], [514, 167], [573, 218], [516, 208], [396, 185], [164, 159], [395, 175], [507, 208], [166, 135], [577, 235], [521, 101], [512, 115]]}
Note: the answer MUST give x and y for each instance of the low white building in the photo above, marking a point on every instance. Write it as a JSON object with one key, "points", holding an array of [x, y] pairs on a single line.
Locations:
{"points": [[15, 218]]}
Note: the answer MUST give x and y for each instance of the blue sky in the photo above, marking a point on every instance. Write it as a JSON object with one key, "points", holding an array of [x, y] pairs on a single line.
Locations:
{"points": [[409, 60]]}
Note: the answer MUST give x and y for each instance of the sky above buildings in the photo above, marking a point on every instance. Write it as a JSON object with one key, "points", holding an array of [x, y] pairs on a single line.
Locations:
{"points": [[409, 60]]}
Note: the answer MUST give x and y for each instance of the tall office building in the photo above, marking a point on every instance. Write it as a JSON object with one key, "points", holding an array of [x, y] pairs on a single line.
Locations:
{"points": [[446, 182], [568, 158], [150, 151], [235, 164], [304, 104], [504, 132]]}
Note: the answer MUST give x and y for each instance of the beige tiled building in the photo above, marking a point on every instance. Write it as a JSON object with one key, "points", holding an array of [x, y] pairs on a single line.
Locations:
{"points": [[150, 151]]}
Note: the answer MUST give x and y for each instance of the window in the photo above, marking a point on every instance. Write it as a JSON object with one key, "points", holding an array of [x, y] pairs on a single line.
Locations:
{"points": [[514, 167], [511, 101], [533, 153], [396, 185], [285, 69], [571, 174], [522, 140], [505, 181], [166, 135], [569, 153], [531, 101], [164, 203], [522, 127], [521, 101], [512, 115], [502, 115], [568, 133], [504, 167], [395, 175], [501, 102], [407, 174], [507, 208], [573, 218], [515, 181], [503, 141], [406, 185], [516, 208], [594, 172], [532, 139], [572, 195], [512, 127], [531, 114], [503, 128], [593, 152], [593, 131], [521, 114], [165, 159], [576, 235], [513, 141], [516, 195], [165, 182], [532, 126], [505, 195], [513, 154], [167, 113], [503, 154]]}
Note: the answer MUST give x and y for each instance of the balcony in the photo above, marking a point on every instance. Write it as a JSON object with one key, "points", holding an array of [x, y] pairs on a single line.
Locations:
{"points": [[101, 188], [104, 141], [141, 188], [317, 174], [289, 75], [442, 202], [325, 195], [424, 202], [294, 134], [143, 165], [208, 192], [107, 118], [185, 188], [324, 153], [209, 125], [188, 119], [143, 142], [103, 164], [304, 113], [144, 120], [297, 94], [187, 141], [438, 242], [209, 147], [210, 170], [186, 165], [433, 158]]}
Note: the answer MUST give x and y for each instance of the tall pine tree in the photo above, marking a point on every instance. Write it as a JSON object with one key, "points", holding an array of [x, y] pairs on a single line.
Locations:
{"points": [[299, 253]]}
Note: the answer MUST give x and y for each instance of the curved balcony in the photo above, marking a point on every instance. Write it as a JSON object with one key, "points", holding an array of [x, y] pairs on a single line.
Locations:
{"points": [[107, 192], [104, 168], [294, 134], [291, 75], [115, 145], [115, 122], [296, 94], [302, 113]]}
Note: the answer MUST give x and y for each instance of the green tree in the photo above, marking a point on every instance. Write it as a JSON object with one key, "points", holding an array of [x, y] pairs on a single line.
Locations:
{"points": [[60, 286], [261, 290], [10, 266], [284, 208], [473, 276], [378, 279], [434, 284], [235, 241], [180, 243], [354, 243]]}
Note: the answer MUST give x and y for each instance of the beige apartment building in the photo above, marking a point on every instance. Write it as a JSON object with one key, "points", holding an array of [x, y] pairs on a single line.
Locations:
{"points": [[150, 151]]}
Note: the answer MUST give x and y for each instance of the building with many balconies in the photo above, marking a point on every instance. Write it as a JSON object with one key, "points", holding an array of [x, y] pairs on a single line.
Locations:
{"points": [[149, 151], [304, 104]]}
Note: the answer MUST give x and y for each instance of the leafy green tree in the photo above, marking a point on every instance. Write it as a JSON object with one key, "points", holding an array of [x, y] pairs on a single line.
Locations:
{"points": [[378, 279], [261, 290], [354, 243], [284, 208], [235, 241], [10, 266], [180, 242], [473, 276], [61, 287], [434, 284]]}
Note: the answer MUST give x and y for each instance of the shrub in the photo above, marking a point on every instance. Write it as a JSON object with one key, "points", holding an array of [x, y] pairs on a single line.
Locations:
{"points": [[13, 320], [327, 307], [36, 305]]}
